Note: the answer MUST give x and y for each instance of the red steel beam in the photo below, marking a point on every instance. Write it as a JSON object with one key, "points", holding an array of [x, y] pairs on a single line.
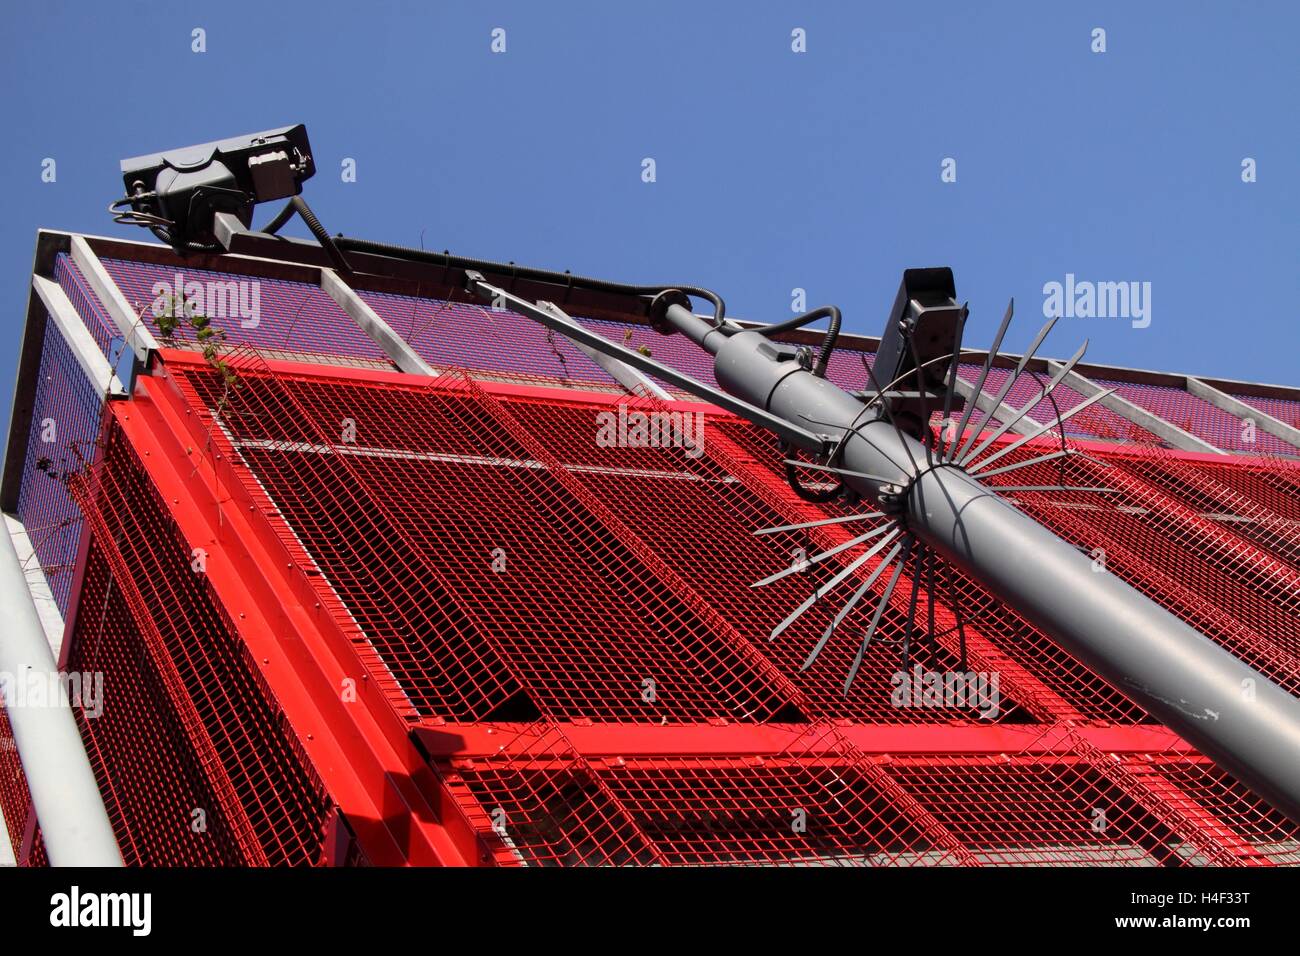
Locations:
{"points": [[399, 809], [458, 741], [560, 393]]}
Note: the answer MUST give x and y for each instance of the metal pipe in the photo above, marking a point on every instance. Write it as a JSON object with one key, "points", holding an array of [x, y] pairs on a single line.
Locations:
{"points": [[704, 334], [65, 793], [1233, 714]]}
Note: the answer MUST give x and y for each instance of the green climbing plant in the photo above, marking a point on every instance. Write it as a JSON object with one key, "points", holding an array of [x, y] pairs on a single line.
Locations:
{"points": [[210, 339]]}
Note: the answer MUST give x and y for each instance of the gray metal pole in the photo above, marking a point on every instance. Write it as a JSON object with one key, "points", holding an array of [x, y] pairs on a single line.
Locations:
{"points": [[1233, 714], [65, 793]]}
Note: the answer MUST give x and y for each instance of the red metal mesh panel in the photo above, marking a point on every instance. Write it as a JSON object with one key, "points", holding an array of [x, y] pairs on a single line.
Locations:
{"points": [[150, 777], [15, 798], [538, 803], [699, 512], [1093, 422], [1260, 504], [1052, 684], [1199, 570], [1055, 806], [189, 725], [295, 319], [1249, 830], [1283, 409], [573, 618], [36, 856], [1068, 688], [1199, 417], [688, 511], [1274, 486]]}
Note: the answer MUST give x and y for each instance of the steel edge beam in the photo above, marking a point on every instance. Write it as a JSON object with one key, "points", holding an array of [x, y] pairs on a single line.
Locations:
{"points": [[455, 741], [79, 340], [361, 749], [370, 322], [1241, 410], [1136, 414], [129, 324]]}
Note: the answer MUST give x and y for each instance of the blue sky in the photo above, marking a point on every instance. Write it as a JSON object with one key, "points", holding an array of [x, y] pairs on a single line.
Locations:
{"points": [[774, 169]]}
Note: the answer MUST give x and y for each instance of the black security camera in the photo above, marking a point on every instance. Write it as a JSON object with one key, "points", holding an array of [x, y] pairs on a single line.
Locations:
{"points": [[178, 193]]}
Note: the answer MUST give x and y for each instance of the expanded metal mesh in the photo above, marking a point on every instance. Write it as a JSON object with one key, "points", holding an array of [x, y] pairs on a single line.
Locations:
{"points": [[1046, 680], [592, 588], [15, 798], [1095, 421], [293, 319], [1260, 503], [1197, 568], [495, 559], [1198, 417], [1249, 830], [471, 606], [196, 763], [1284, 410], [65, 424], [487, 339], [96, 318]]}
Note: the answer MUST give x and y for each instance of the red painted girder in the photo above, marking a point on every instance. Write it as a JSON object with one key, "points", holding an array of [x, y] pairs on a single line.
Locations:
{"points": [[559, 393], [455, 741], [361, 749]]}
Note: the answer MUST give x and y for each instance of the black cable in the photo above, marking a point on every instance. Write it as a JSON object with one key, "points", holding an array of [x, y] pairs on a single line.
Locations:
{"points": [[322, 235], [334, 246], [1051, 396], [449, 261], [807, 494], [799, 321], [281, 217]]}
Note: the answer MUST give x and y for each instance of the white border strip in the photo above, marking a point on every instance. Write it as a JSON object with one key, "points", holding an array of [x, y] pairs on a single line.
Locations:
{"points": [[370, 322], [78, 337], [129, 325], [1160, 427], [1239, 409]]}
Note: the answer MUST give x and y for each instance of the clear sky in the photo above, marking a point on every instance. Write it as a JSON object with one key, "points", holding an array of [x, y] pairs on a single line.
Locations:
{"points": [[774, 170]]}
